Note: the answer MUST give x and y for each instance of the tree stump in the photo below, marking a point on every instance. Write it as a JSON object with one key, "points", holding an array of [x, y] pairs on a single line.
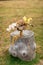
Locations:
{"points": [[24, 47]]}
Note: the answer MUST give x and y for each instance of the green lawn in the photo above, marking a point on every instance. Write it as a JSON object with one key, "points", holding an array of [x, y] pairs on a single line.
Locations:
{"points": [[11, 11]]}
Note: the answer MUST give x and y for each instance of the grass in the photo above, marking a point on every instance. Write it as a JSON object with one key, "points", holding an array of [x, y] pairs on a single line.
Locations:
{"points": [[11, 11]]}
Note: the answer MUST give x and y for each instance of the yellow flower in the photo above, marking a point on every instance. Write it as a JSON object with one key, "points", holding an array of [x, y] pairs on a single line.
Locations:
{"points": [[29, 19], [25, 18]]}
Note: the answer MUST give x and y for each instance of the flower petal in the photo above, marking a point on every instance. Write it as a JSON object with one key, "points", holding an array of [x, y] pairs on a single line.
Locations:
{"points": [[8, 29], [14, 24]]}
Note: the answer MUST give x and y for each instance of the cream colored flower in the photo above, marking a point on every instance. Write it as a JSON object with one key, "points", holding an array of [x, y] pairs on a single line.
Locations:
{"points": [[11, 27], [8, 29], [14, 24]]}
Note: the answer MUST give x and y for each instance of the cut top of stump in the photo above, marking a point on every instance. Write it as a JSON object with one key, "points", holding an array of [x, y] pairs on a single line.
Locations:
{"points": [[25, 33]]}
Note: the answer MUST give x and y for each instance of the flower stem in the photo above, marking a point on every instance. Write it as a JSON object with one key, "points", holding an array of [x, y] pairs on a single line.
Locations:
{"points": [[20, 33]]}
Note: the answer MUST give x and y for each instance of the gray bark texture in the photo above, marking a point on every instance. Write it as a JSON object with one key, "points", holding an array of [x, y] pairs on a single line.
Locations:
{"points": [[24, 47]]}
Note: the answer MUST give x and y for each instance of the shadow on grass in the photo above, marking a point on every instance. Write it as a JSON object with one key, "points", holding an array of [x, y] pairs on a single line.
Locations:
{"points": [[10, 60]]}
